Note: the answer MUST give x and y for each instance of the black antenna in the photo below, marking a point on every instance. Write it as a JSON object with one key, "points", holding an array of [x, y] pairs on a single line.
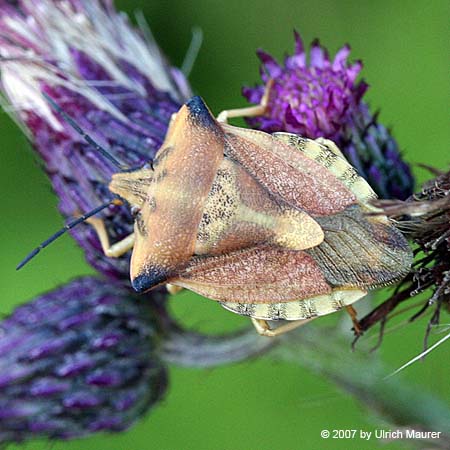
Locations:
{"points": [[63, 230], [83, 134]]}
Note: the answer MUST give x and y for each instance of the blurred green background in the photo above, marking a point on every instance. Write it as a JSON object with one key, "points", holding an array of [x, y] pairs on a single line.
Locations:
{"points": [[257, 405]]}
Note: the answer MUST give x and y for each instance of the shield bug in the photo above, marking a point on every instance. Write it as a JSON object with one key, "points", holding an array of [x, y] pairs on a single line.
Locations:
{"points": [[272, 226]]}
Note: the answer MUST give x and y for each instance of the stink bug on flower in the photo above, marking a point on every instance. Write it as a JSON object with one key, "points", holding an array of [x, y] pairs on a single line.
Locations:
{"points": [[272, 226]]}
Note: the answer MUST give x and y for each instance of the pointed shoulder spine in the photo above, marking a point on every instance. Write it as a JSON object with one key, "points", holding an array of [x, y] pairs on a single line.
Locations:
{"points": [[200, 115]]}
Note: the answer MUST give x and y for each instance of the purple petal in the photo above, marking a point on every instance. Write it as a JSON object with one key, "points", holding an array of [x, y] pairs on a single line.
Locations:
{"points": [[269, 62], [318, 55], [291, 118], [253, 95], [353, 71], [299, 48], [340, 60]]}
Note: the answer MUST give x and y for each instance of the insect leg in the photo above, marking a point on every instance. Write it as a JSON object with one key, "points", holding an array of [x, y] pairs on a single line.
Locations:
{"points": [[173, 289], [111, 251], [263, 327], [250, 111], [352, 313]]}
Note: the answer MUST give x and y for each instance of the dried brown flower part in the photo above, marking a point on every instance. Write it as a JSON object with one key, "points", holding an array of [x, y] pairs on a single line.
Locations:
{"points": [[425, 218]]}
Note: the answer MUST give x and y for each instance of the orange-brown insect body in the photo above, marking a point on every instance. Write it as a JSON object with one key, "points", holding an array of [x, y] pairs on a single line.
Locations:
{"points": [[272, 226]]}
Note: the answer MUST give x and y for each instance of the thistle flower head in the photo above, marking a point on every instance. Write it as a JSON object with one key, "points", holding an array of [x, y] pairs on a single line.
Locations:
{"points": [[109, 78], [321, 97], [80, 359], [313, 98]]}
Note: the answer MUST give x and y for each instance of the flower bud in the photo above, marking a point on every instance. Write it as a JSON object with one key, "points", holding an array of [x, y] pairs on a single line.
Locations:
{"points": [[80, 359], [321, 98]]}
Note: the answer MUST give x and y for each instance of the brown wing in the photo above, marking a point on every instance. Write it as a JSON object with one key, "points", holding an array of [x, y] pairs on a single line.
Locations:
{"points": [[328, 155], [286, 173], [358, 252], [240, 213], [256, 275], [355, 254]]}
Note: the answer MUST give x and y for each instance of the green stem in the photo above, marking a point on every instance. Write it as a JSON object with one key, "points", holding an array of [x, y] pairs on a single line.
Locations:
{"points": [[363, 375], [327, 353], [191, 349]]}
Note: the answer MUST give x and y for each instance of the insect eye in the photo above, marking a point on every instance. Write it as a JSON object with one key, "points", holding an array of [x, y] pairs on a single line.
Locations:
{"points": [[135, 211]]}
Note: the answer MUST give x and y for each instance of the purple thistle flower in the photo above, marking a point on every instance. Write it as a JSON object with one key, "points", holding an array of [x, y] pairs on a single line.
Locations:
{"points": [[85, 357], [110, 79], [313, 99], [80, 359], [321, 98]]}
